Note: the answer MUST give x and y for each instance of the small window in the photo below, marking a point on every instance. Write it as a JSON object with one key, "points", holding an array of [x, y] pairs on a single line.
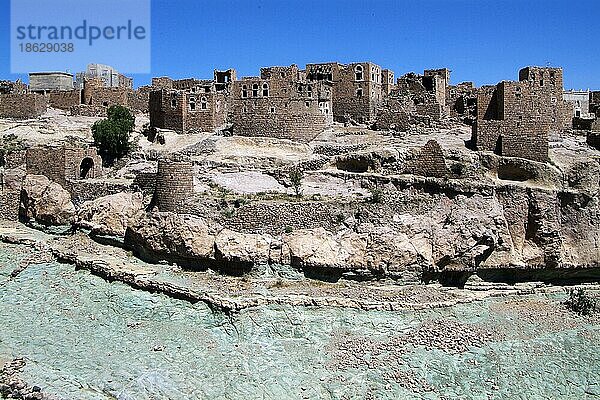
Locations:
{"points": [[192, 103], [265, 89], [174, 102], [244, 91], [245, 109], [203, 103], [309, 91], [541, 82], [358, 73], [307, 104], [359, 92], [272, 110], [255, 90]]}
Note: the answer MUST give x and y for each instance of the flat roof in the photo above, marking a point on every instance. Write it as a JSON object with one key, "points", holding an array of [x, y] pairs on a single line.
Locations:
{"points": [[51, 73]]}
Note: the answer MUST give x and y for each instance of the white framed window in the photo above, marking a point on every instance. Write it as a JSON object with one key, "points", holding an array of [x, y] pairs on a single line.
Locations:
{"points": [[358, 73]]}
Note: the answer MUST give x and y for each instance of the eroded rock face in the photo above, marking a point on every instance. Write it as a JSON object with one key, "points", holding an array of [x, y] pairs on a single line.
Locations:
{"points": [[110, 215], [320, 248], [165, 235], [46, 201]]}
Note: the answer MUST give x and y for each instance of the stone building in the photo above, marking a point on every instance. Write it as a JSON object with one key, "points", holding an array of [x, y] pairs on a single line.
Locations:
{"points": [[64, 163], [190, 105], [579, 100], [358, 88], [281, 103], [430, 162], [515, 118], [44, 82]]}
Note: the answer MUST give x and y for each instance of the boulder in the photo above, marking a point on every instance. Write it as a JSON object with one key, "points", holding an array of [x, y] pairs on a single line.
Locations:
{"points": [[170, 236], [243, 247], [323, 249], [46, 201], [110, 215]]}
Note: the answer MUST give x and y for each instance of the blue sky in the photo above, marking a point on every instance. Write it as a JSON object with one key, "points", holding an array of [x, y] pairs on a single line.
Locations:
{"points": [[482, 41]]}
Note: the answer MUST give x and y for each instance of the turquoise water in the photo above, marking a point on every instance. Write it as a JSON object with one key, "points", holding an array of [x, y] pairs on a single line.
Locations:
{"points": [[85, 338]]}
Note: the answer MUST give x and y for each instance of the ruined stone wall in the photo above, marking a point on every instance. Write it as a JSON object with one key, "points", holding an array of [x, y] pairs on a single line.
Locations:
{"points": [[461, 100], [64, 100], [22, 106], [61, 164], [395, 114], [162, 83], [9, 204], [430, 161], [174, 184]]}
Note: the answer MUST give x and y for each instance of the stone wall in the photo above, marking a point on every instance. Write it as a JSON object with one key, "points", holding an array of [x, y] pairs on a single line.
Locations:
{"points": [[22, 106], [64, 100], [174, 184], [395, 113]]}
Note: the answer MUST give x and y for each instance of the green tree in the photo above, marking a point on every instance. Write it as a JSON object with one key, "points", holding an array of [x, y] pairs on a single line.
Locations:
{"points": [[111, 135], [296, 176]]}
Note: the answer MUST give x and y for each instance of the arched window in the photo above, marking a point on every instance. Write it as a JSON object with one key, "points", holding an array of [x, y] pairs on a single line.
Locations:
{"points": [[255, 90], [244, 91], [265, 90], [358, 73], [359, 92], [203, 103], [192, 103], [174, 102]]}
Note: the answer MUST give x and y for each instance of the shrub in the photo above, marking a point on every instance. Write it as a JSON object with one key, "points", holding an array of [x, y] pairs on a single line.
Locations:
{"points": [[582, 303], [111, 135], [296, 177]]}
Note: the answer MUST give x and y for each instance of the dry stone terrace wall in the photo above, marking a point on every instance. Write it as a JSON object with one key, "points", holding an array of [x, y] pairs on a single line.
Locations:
{"points": [[9, 204], [22, 106]]}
